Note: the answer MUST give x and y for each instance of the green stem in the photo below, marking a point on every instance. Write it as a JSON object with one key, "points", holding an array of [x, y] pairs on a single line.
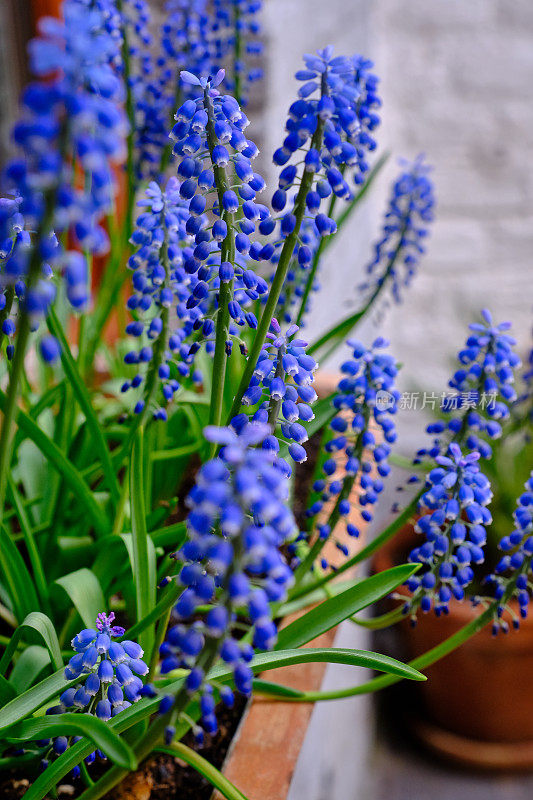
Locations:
{"points": [[348, 483], [23, 335], [314, 267], [275, 405], [237, 55], [279, 277], [226, 288], [435, 653], [159, 639], [390, 531], [144, 590]]}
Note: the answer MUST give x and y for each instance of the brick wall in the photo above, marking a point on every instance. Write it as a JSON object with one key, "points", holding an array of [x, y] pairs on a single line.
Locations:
{"points": [[456, 82]]}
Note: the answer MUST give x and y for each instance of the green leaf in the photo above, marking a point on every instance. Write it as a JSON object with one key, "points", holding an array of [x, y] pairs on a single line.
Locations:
{"points": [[25, 704], [30, 664], [386, 534], [144, 566], [171, 595], [393, 672], [7, 691], [48, 779], [17, 579], [291, 606], [35, 623], [71, 372], [103, 736], [62, 464], [29, 540], [174, 452], [260, 663], [202, 765], [336, 609], [263, 662], [85, 593], [170, 536], [332, 338]]}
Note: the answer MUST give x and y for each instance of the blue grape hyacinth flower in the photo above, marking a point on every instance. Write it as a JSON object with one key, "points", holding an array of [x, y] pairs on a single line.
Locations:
{"points": [[237, 523], [70, 115], [358, 445], [284, 373], [331, 122], [221, 187], [456, 496], [482, 390], [406, 227], [512, 575], [110, 677]]}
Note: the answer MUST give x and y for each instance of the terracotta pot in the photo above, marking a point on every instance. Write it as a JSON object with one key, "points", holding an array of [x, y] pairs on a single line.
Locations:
{"points": [[478, 701]]}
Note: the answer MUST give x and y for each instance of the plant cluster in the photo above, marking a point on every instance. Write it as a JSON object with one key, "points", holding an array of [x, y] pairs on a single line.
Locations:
{"points": [[151, 477]]}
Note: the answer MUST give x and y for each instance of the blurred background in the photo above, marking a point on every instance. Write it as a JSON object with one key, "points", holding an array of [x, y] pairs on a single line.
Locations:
{"points": [[456, 81]]}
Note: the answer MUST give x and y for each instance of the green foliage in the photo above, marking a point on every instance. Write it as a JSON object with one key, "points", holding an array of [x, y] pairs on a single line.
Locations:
{"points": [[94, 513]]}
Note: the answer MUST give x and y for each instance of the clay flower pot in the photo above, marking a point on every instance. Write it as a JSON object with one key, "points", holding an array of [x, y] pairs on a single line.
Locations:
{"points": [[478, 701]]}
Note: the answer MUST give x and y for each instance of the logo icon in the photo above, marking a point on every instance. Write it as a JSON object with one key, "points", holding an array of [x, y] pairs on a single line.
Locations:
{"points": [[384, 400]]}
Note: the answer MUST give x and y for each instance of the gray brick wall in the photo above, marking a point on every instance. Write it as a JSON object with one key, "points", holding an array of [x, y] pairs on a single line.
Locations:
{"points": [[457, 85], [456, 82]]}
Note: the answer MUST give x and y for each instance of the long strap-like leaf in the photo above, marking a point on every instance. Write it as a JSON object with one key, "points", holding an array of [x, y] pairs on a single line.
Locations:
{"points": [[85, 594], [202, 765], [71, 475], [336, 609], [37, 623], [71, 724], [80, 391], [16, 577]]}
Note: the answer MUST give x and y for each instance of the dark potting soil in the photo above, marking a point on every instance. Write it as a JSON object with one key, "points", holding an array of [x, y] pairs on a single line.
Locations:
{"points": [[13, 786], [173, 780], [168, 777]]}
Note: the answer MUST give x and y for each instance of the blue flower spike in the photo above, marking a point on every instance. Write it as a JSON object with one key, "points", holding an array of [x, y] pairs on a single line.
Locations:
{"points": [[512, 579], [456, 496], [358, 446], [72, 116], [237, 522], [110, 677], [283, 385]]}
